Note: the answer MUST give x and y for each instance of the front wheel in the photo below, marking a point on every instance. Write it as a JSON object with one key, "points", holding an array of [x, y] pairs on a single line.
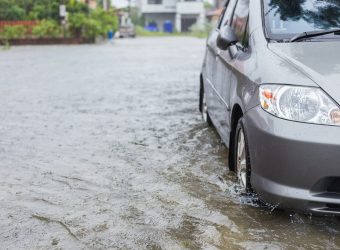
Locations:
{"points": [[242, 160]]}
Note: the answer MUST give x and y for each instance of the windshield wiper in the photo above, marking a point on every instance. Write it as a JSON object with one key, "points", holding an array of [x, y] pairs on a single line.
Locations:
{"points": [[306, 35]]}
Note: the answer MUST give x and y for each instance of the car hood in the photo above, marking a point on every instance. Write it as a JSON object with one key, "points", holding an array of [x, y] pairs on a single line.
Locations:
{"points": [[320, 61]]}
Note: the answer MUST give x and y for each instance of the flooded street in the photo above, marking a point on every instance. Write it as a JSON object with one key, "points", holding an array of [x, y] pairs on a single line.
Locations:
{"points": [[102, 146]]}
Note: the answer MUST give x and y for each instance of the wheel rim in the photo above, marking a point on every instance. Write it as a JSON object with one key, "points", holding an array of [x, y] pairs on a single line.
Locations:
{"points": [[241, 160], [204, 109]]}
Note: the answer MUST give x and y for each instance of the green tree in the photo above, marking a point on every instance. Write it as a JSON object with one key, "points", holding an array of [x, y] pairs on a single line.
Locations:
{"points": [[12, 32], [92, 28], [15, 12], [108, 20], [29, 9], [76, 23], [47, 28], [77, 7], [99, 22], [81, 20]]}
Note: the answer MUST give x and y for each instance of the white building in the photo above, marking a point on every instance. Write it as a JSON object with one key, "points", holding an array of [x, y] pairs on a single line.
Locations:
{"points": [[181, 13], [120, 4]]}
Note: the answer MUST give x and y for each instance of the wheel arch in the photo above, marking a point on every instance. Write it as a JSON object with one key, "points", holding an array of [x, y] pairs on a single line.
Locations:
{"points": [[236, 115]]}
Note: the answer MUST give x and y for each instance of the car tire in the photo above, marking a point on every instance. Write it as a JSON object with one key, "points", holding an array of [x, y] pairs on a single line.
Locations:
{"points": [[204, 108], [241, 158]]}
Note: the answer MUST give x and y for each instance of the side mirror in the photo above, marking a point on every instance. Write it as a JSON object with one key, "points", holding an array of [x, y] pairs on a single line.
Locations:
{"points": [[226, 37]]}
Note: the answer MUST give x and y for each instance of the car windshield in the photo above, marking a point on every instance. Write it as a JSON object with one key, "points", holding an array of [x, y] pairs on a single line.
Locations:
{"points": [[285, 19]]}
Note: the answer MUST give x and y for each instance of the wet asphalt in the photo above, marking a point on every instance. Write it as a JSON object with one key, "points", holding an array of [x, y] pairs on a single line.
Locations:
{"points": [[102, 147]]}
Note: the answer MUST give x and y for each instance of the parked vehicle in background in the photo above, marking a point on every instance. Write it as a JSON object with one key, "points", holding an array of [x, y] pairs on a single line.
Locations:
{"points": [[127, 30], [270, 84]]}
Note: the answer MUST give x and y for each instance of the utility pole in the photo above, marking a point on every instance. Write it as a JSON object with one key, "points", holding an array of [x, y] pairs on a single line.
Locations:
{"points": [[63, 15]]}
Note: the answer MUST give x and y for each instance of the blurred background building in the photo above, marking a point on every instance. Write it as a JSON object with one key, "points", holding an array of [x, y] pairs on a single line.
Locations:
{"points": [[180, 14]]}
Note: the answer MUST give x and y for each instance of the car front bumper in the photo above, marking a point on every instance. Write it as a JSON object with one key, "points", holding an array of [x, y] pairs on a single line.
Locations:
{"points": [[294, 165]]}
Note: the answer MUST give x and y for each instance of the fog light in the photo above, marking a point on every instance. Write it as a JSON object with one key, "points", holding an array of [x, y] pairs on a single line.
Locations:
{"points": [[335, 116]]}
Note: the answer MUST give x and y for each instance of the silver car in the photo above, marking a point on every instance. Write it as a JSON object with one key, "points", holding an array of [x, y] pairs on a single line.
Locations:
{"points": [[127, 30], [270, 85]]}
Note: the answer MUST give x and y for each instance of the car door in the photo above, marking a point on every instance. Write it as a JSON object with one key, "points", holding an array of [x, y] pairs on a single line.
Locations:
{"points": [[210, 69], [239, 52], [222, 78]]}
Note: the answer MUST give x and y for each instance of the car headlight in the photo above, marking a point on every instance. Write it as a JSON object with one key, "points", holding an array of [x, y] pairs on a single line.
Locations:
{"points": [[302, 104]]}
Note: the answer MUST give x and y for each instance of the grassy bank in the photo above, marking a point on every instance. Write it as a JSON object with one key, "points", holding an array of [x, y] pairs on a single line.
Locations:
{"points": [[140, 31]]}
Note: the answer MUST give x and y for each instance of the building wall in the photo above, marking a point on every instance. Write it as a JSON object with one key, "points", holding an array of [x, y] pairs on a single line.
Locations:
{"points": [[159, 18], [179, 12], [192, 7], [186, 12], [166, 6]]}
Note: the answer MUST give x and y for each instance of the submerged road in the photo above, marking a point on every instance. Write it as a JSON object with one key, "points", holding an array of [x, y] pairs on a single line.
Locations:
{"points": [[102, 146]]}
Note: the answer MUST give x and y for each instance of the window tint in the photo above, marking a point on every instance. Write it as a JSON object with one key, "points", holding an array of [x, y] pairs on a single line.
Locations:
{"points": [[240, 19], [228, 13]]}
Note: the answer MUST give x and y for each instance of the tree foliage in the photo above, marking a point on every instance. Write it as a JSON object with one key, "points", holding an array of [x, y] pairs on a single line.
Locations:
{"points": [[47, 28], [98, 22], [11, 11], [12, 32], [81, 21], [38, 10]]}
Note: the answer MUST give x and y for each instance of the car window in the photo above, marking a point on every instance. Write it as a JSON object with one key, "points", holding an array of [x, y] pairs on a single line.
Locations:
{"points": [[240, 20], [285, 19], [228, 13]]}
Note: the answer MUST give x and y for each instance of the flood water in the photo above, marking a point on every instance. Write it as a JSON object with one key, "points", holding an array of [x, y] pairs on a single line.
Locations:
{"points": [[102, 147]]}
